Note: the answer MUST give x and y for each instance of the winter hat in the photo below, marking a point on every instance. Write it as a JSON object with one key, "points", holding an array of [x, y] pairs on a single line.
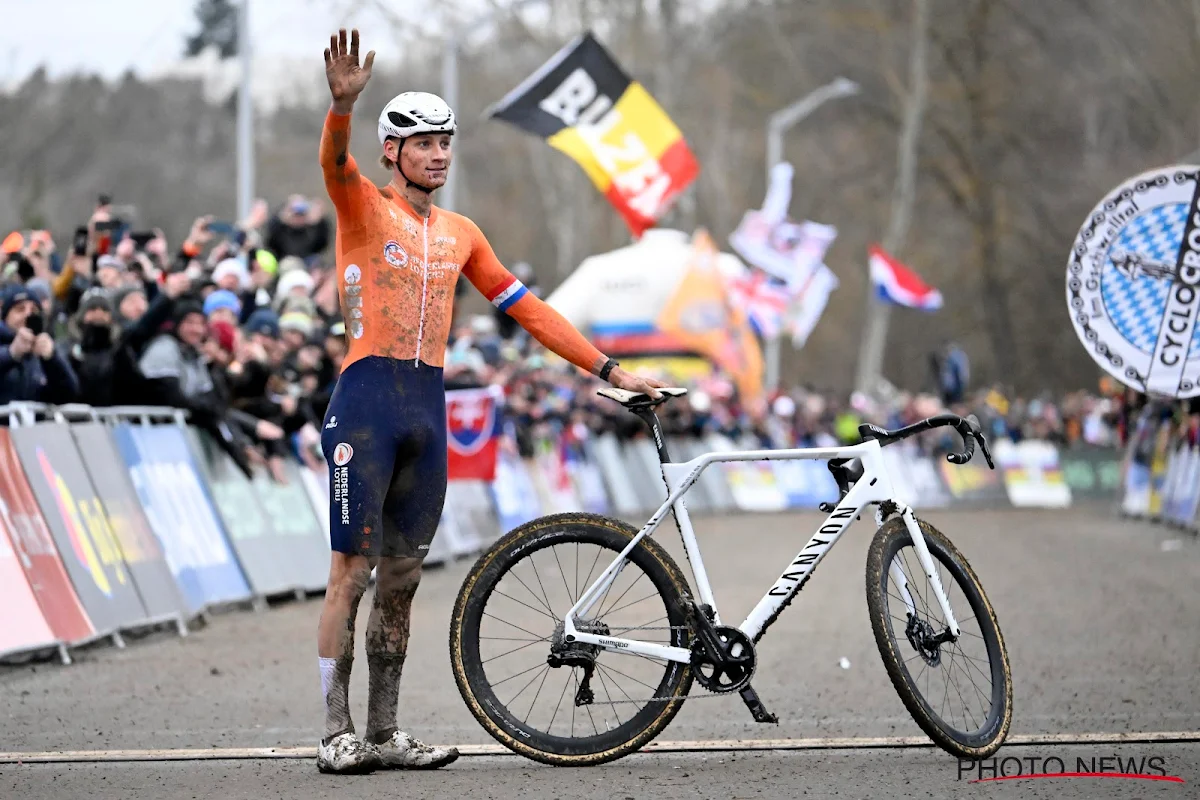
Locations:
{"points": [[266, 261], [291, 264], [185, 309], [222, 298], [296, 321], [95, 298], [120, 294], [263, 321], [293, 279], [107, 260], [232, 266], [13, 295]]}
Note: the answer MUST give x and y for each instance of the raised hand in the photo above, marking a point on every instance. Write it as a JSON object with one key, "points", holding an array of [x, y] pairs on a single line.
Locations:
{"points": [[346, 78]]}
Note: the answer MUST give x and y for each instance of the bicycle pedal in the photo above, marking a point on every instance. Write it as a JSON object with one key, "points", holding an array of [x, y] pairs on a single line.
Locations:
{"points": [[757, 709]]}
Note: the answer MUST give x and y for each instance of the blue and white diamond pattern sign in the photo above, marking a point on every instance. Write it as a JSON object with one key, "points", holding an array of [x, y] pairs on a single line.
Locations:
{"points": [[1133, 282]]}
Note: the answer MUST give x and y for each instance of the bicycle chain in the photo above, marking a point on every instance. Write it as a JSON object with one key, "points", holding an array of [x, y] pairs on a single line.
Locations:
{"points": [[710, 696]]}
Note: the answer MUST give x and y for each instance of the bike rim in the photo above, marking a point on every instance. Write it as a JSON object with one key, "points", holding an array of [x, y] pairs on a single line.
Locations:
{"points": [[963, 688], [516, 622]]}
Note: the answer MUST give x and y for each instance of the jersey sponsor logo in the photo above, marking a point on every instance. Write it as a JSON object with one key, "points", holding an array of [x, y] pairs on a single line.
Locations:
{"points": [[352, 277], [342, 453], [450, 240], [1133, 282], [395, 255], [332, 423], [341, 493], [505, 294]]}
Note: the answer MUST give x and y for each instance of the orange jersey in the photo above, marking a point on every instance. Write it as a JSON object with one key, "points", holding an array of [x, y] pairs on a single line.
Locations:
{"points": [[397, 270]]}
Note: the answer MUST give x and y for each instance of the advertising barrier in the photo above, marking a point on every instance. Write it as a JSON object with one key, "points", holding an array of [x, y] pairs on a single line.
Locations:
{"points": [[37, 554], [1032, 474], [24, 628], [263, 553], [156, 586], [180, 512], [69, 504]]}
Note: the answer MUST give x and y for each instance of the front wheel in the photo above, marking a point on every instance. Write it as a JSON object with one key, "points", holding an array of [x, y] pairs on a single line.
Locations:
{"points": [[542, 697], [959, 690]]}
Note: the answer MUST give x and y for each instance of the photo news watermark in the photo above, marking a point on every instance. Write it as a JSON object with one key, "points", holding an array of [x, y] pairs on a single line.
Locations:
{"points": [[1150, 768]]}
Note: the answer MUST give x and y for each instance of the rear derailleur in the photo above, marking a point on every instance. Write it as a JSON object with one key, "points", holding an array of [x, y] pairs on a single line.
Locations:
{"points": [[578, 654]]}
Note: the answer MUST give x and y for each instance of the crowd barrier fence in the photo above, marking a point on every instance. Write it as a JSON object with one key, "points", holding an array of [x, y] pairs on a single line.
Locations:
{"points": [[122, 519], [1159, 475]]}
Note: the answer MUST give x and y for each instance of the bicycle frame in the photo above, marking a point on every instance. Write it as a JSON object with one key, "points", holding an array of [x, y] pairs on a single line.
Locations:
{"points": [[875, 486]]}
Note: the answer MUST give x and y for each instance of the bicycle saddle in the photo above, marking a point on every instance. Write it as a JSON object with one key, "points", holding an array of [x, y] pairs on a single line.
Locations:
{"points": [[629, 399]]}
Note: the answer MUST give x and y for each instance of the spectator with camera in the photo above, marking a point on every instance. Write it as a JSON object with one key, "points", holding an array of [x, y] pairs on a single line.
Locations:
{"points": [[300, 229], [108, 338], [31, 368]]}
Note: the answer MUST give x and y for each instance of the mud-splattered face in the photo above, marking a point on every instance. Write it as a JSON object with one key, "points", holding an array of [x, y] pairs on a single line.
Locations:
{"points": [[424, 159]]}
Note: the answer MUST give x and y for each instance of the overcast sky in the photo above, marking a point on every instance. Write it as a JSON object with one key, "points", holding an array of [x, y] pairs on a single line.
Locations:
{"points": [[110, 36]]}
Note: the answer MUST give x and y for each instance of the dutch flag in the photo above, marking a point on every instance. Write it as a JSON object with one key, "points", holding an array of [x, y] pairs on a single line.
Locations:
{"points": [[506, 293], [897, 284]]}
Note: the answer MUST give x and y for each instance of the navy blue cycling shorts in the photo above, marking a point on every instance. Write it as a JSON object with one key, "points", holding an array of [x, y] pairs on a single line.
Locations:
{"points": [[384, 437]]}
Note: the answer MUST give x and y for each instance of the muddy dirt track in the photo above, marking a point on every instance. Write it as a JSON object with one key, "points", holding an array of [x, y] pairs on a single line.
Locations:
{"points": [[1102, 626]]}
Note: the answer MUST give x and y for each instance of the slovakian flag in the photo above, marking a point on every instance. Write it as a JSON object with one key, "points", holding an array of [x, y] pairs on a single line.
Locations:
{"points": [[897, 284], [582, 103], [473, 432]]}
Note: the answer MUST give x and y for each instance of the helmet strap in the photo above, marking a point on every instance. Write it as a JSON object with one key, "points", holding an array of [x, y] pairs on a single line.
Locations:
{"points": [[400, 168]]}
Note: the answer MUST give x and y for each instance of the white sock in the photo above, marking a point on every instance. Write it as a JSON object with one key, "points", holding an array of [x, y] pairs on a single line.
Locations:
{"points": [[328, 666]]}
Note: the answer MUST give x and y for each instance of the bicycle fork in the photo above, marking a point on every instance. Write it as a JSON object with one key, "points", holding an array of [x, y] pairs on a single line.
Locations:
{"points": [[927, 564]]}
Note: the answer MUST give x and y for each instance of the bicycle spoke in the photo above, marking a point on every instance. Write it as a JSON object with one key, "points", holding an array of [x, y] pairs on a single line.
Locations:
{"points": [[635, 680], [526, 686], [519, 674], [531, 608], [561, 695], [563, 574], [532, 593], [545, 675], [537, 575], [518, 627], [608, 694], [514, 650], [619, 599]]}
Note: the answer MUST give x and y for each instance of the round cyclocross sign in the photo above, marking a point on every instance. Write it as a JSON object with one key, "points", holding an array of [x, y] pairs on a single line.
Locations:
{"points": [[1133, 282]]}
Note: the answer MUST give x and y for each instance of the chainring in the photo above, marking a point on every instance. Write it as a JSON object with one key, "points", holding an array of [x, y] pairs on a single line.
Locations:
{"points": [[729, 677]]}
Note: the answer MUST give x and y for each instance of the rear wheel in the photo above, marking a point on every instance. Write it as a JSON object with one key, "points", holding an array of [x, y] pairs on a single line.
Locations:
{"points": [[958, 690], [569, 705]]}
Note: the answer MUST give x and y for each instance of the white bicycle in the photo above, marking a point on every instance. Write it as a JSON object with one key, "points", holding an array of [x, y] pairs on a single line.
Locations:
{"points": [[532, 597]]}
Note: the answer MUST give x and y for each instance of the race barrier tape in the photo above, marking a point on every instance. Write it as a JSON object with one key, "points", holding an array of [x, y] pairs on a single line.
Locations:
{"points": [[120, 519]]}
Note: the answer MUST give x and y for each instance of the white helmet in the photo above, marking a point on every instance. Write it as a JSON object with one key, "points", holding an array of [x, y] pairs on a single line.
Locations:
{"points": [[414, 113]]}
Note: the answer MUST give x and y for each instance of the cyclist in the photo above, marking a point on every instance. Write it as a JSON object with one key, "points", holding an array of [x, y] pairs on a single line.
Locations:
{"points": [[398, 260]]}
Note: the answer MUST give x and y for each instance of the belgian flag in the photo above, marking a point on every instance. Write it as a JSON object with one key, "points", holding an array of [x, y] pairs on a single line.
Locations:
{"points": [[582, 103]]}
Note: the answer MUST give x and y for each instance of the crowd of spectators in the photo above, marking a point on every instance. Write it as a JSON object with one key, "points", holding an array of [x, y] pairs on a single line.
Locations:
{"points": [[240, 325]]}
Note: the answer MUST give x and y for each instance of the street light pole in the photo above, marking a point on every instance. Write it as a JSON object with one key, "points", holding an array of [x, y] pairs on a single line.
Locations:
{"points": [[454, 43], [777, 125], [450, 95], [245, 116]]}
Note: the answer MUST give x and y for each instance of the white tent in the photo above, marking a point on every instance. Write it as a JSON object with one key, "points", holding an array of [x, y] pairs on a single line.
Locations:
{"points": [[623, 291]]}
